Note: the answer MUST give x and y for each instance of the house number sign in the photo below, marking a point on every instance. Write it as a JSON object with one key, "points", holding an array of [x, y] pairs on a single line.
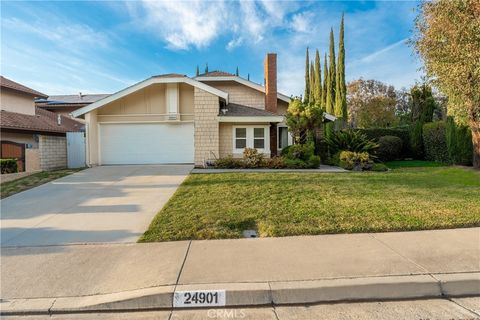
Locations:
{"points": [[199, 298]]}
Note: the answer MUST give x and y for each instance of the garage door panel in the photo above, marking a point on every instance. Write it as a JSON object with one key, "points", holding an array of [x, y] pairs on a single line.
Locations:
{"points": [[146, 143]]}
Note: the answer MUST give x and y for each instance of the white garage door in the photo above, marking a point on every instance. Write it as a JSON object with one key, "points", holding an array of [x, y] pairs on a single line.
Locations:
{"points": [[146, 143]]}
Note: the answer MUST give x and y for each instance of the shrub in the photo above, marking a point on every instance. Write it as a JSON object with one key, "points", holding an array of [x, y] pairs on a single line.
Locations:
{"points": [[228, 162], [459, 143], [435, 141], [299, 151], [350, 140], [403, 133], [379, 167], [416, 140], [390, 148], [251, 158], [8, 165], [313, 162], [357, 161], [274, 163]]}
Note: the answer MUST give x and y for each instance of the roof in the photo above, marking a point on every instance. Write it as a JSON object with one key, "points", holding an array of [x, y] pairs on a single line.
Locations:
{"points": [[71, 99], [145, 83], [7, 83], [169, 75], [240, 80], [42, 121], [238, 110], [216, 73]]}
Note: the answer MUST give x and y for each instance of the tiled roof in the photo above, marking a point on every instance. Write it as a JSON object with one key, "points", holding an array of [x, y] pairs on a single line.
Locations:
{"points": [[238, 110], [42, 121], [169, 75], [216, 74], [7, 83], [71, 99]]}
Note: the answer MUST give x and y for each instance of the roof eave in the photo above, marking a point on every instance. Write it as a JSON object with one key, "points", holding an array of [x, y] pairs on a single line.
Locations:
{"points": [[253, 119]]}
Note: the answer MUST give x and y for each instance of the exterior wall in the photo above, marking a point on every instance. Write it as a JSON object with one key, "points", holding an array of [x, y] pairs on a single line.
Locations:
{"points": [[226, 139], [32, 160], [239, 93], [14, 101], [53, 152], [282, 107], [27, 138], [92, 138], [206, 127]]}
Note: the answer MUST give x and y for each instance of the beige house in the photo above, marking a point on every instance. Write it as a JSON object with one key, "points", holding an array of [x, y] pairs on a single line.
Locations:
{"points": [[176, 119]]}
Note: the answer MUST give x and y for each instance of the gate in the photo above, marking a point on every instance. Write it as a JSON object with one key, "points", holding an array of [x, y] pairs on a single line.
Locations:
{"points": [[76, 149], [13, 150]]}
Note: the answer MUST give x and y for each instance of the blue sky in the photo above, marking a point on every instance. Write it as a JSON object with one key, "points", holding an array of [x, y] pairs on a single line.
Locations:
{"points": [[64, 47]]}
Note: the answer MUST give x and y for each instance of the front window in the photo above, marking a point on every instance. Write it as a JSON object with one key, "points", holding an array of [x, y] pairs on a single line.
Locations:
{"points": [[259, 138], [282, 137], [251, 137], [240, 138]]}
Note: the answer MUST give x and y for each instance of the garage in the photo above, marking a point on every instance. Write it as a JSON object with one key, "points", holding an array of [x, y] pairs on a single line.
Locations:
{"points": [[146, 143]]}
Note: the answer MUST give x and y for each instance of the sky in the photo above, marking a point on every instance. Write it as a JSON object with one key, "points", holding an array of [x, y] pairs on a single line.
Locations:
{"points": [[67, 47]]}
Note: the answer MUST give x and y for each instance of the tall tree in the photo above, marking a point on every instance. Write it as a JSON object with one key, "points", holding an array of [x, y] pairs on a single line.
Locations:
{"points": [[318, 79], [236, 72], [307, 77], [248, 77], [325, 80], [197, 72], [447, 40], [311, 95], [206, 67], [330, 101], [341, 87]]}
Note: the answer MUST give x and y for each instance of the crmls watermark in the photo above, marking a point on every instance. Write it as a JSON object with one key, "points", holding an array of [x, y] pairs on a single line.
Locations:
{"points": [[226, 314]]}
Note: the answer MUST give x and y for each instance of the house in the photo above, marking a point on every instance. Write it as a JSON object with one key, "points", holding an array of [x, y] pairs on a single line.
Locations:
{"points": [[173, 118], [66, 104], [34, 136]]}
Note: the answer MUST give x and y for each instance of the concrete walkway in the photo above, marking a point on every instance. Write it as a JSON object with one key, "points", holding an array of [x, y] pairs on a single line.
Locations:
{"points": [[101, 204], [267, 271]]}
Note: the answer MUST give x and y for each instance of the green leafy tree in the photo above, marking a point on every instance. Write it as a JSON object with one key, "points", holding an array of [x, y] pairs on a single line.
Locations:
{"points": [[422, 105], [341, 87], [307, 78], [302, 119], [325, 80], [447, 39], [311, 95], [330, 101], [318, 79]]}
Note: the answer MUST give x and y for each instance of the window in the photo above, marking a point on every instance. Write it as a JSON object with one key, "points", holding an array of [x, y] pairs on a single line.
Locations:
{"points": [[282, 137], [240, 138], [251, 136], [259, 138]]}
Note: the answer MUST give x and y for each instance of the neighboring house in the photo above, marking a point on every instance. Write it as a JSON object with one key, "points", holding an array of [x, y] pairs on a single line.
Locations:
{"points": [[66, 104], [172, 118], [34, 136]]}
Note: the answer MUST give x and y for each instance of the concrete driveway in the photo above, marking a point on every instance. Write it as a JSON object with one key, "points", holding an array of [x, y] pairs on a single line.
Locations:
{"points": [[102, 204]]}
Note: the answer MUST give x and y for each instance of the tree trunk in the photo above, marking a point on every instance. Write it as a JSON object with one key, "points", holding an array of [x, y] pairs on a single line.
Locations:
{"points": [[475, 127]]}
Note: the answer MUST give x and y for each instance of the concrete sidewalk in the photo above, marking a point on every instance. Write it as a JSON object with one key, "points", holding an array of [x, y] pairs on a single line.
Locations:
{"points": [[267, 271]]}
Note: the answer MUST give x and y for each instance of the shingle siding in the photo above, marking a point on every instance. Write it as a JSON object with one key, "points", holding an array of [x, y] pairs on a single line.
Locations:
{"points": [[206, 127]]}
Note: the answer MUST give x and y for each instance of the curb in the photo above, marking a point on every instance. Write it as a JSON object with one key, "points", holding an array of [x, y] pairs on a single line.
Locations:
{"points": [[261, 294]]}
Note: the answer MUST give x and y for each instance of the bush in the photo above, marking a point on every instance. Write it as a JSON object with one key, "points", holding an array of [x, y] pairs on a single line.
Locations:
{"points": [[357, 161], [416, 140], [251, 158], [350, 140], [390, 148], [228, 162], [299, 151], [403, 133], [459, 143], [435, 141], [8, 165], [274, 163], [379, 167]]}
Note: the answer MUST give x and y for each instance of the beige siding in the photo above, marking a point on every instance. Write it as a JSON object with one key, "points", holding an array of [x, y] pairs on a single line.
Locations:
{"points": [[226, 139], [92, 138], [206, 127], [282, 107], [241, 94], [187, 104], [14, 101]]}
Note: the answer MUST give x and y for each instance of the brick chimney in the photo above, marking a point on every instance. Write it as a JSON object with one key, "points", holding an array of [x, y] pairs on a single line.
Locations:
{"points": [[271, 82]]}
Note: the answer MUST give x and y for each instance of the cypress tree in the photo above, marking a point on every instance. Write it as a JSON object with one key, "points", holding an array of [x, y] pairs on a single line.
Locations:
{"points": [[236, 72], [318, 79], [330, 101], [341, 87], [307, 77], [325, 80], [206, 67], [197, 72], [248, 77], [312, 83]]}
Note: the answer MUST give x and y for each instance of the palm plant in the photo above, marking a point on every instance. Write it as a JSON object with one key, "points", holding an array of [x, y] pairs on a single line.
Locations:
{"points": [[350, 140]]}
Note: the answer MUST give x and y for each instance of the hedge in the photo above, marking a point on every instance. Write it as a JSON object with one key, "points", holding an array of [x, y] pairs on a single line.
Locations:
{"points": [[8, 165], [459, 143], [435, 141], [390, 148], [403, 133]]}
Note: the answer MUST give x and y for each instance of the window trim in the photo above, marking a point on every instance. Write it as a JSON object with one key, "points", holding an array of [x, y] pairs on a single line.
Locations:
{"points": [[250, 138]]}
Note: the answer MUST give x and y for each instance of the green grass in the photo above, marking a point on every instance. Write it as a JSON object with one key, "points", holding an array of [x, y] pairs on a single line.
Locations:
{"points": [[413, 163], [210, 206], [11, 187]]}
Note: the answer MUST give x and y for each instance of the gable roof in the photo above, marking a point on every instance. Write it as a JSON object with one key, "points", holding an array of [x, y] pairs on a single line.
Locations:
{"points": [[216, 73], [71, 99], [167, 78], [10, 84], [42, 121], [231, 77]]}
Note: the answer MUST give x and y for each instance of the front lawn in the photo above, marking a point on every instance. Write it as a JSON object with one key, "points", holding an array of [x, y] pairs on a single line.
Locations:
{"points": [[11, 187], [413, 163], [222, 205]]}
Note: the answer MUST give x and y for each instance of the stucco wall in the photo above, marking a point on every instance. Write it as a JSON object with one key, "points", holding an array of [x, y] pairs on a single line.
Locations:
{"points": [[32, 160], [239, 93], [92, 138], [13, 101], [206, 127], [53, 152], [20, 138]]}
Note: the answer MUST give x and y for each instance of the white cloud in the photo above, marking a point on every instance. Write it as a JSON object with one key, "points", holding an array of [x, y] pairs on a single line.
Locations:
{"points": [[234, 43], [302, 22]]}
